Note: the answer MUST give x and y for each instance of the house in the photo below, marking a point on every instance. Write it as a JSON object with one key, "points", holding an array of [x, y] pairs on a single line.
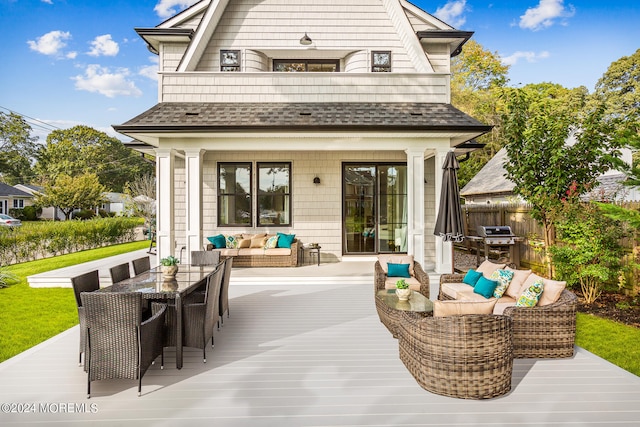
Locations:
{"points": [[114, 203], [13, 198], [51, 212], [325, 119], [490, 184]]}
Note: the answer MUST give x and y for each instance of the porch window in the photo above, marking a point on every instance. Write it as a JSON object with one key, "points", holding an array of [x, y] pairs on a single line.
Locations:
{"points": [[307, 65], [234, 194], [18, 203], [274, 194]]}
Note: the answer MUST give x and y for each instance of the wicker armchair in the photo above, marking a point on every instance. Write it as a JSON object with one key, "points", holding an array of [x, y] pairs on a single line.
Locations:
{"points": [[224, 289], [201, 318], [469, 356], [380, 277], [141, 265], [119, 343], [538, 332], [87, 282]]}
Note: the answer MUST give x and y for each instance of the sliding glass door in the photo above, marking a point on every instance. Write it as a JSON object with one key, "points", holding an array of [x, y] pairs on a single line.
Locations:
{"points": [[374, 208]]}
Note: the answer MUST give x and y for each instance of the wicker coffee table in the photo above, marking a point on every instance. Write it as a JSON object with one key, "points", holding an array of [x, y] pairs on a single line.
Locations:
{"points": [[390, 308]]}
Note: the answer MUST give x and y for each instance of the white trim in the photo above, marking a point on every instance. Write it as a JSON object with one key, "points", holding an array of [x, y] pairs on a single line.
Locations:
{"points": [[202, 35]]}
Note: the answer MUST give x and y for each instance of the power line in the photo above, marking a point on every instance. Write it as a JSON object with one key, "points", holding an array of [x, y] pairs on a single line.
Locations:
{"points": [[36, 122]]}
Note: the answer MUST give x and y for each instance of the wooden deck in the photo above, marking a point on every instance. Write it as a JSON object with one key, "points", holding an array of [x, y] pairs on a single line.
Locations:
{"points": [[305, 355]]}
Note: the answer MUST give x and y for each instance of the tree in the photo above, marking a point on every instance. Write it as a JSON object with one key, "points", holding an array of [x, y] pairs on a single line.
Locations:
{"points": [[69, 193], [81, 149], [142, 197], [556, 145], [17, 149]]}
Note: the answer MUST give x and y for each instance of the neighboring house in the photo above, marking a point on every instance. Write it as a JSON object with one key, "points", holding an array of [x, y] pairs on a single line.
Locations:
{"points": [[13, 198], [329, 120], [490, 184], [114, 203], [50, 212]]}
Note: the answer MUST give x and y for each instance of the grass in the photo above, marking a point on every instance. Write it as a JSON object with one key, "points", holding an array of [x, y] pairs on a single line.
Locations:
{"points": [[29, 316], [613, 341]]}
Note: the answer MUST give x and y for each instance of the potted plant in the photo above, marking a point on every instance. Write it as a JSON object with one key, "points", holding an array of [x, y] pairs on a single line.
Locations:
{"points": [[402, 290], [169, 266]]}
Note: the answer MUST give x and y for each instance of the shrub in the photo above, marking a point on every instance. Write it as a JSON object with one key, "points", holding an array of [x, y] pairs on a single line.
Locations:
{"points": [[84, 214]]}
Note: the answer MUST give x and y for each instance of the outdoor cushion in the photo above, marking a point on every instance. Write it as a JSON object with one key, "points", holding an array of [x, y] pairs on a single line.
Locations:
{"points": [[272, 242], [515, 287], [531, 294], [390, 283], [263, 251], [396, 259], [258, 242], [398, 270], [485, 287], [232, 242], [471, 278], [228, 252], [244, 243], [453, 289], [503, 277], [455, 308], [503, 303], [551, 289], [488, 267], [218, 241], [285, 240]]}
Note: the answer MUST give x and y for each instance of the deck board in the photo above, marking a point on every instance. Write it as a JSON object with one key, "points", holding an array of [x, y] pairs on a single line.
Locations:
{"points": [[309, 355]]}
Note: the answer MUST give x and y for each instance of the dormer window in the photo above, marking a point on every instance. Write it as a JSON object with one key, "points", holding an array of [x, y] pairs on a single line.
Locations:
{"points": [[229, 60], [306, 65], [381, 61]]}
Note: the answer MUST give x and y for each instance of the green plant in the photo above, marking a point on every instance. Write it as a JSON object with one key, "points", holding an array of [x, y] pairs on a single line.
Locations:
{"points": [[170, 260], [402, 284], [6, 277]]}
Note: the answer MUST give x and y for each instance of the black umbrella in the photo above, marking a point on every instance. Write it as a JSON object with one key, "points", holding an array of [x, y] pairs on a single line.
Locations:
{"points": [[449, 221]]}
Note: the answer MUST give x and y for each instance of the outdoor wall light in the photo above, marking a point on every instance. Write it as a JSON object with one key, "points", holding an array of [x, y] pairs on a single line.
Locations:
{"points": [[316, 180], [306, 40]]}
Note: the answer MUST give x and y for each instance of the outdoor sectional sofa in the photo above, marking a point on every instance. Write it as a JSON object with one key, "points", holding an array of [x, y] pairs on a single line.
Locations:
{"points": [[257, 250], [546, 330]]}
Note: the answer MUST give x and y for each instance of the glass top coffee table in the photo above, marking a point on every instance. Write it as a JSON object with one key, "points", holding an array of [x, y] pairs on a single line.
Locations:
{"points": [[389, 308]]}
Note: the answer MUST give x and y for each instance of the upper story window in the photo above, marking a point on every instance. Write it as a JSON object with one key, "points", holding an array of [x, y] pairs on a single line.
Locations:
{"points": [[381, 61], [229, 60], [307, 65]]}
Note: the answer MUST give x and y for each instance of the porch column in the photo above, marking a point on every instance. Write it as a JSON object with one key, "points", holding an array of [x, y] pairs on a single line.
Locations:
{"points": [[415, 204], [165, 217], [193, 164], [444, 250]]}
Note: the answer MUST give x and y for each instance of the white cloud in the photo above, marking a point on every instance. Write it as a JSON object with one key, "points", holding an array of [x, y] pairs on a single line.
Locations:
{"points": [[527, 56], [168, 8], [452, 13], [545, 14], [150, 71], [104, 45], [47, 1], [110, 84], [51, 43]]}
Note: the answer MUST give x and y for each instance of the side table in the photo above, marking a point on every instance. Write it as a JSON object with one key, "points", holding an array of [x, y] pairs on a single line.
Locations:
{"points": [[312, 250]]}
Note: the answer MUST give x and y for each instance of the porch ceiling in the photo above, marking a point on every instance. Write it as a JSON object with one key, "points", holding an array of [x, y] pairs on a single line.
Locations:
{"points": [[196, 119]]}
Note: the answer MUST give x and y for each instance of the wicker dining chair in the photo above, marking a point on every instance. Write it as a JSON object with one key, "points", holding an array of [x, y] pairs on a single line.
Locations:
{"points": [[200, 318], [87, 282], [141, 265], [205, 257], [119, 343], [120, 272], [224, 288]]}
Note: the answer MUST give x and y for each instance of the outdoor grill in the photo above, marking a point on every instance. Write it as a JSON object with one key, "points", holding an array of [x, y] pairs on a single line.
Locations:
{"points": [[498, 238]]}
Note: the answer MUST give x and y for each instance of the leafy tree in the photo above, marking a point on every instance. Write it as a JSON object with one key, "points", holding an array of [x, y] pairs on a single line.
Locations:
{"points": [[17, 149], [555, 146], [70, 193], [81, 149], [142, 197]]}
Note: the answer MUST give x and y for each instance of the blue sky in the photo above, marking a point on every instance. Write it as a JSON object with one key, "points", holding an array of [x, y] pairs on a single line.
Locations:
{"points": [[80, 62]]}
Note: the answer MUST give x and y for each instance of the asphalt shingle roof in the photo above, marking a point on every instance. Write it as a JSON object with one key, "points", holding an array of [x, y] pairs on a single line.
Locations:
{"points": [[7, 190], [198, 116]]}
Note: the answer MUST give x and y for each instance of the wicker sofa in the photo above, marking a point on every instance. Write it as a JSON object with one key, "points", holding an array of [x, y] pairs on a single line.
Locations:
{"points": [[252, 252], [546, 330], [419, 280]]}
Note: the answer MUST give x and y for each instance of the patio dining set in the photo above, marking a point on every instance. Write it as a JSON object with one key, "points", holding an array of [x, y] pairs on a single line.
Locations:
{"points": [[126, 326]]}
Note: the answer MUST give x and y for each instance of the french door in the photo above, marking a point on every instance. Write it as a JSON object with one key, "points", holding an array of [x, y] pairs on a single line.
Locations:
{"points": [[374, 209]]}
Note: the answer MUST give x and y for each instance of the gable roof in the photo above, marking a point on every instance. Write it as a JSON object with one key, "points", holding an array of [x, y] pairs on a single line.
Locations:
{"points": [[490, 180], [7, 190]]}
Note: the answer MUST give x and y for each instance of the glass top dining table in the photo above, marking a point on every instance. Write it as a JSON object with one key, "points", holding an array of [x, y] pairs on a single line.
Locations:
{"points": [[154, 286]]}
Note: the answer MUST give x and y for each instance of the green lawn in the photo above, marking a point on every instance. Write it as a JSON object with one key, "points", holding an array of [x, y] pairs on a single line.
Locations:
{"points": [[29, 316]]}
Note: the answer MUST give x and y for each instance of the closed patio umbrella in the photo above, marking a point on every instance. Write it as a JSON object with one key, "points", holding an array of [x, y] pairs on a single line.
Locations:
{"points": [[449, 221]]}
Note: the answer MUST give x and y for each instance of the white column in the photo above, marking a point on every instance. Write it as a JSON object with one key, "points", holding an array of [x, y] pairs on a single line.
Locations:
{"points": [[444, 254], [165, 216], [193, 163], [415, 204]]}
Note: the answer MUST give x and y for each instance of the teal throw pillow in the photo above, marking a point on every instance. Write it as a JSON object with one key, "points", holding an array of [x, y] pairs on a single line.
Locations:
{"points": [[231, 242], [218, 242], [485, 287], [531, 295], [285, 240], [272, 242], [398, 270], [503, 277], [471, 278]]}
